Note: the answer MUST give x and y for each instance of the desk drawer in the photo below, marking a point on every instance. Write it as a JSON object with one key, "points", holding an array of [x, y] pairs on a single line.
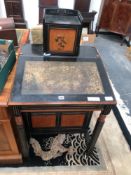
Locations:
{"points": [[49, 120], [72, 120], [45, 123], [43, 120]]}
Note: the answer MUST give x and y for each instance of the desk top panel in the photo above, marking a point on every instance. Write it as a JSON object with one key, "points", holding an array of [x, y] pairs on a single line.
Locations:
{"points": [[50, 77], [82, 81]]}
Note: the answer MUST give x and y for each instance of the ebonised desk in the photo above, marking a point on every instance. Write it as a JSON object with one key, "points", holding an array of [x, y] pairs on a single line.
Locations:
{"points": [[60, 96]]}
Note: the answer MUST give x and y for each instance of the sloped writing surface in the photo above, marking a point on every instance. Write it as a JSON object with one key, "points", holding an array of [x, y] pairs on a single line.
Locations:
{"points": [[61, 78]]}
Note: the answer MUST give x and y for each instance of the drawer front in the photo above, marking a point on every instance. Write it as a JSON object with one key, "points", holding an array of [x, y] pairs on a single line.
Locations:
{"points": [[43, 123], [7, 139], [3, 114], [72, 120], [4, 144], [43, 120]]}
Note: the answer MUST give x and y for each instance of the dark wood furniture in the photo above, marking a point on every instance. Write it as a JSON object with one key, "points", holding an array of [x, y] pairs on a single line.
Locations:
{"points": [[88, 17], [9, 34], [70, 93], [82, 5], [14, 8], [7, 23], [46, 4], [62, 31], [9, 152], [8, 30], [116, 17]]}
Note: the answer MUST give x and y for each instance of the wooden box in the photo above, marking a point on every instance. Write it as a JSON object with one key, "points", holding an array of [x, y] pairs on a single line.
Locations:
{"points": [[7, 60], [62, 31], [37, 35]]}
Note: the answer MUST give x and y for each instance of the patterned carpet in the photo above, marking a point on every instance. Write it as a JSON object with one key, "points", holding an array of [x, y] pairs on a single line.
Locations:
{"points": [[99, 163], [65, 157]]}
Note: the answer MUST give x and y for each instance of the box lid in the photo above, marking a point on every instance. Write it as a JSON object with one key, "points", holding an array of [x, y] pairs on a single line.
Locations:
{"points": [[62, 16]]}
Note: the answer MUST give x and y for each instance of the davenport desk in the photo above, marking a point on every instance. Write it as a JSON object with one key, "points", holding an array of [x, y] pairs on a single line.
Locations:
{"points": [[61, 96]]}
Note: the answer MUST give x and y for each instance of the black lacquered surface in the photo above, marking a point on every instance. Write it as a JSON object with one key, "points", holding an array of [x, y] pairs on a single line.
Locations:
{"points": [[37, 51], [33, 83], [71, 20]]}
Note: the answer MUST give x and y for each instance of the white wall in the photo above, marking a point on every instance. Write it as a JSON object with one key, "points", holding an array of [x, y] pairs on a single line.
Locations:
{"points": [[31, 9], [31, 12], [96, 5], [69, 4], [2, 9]]}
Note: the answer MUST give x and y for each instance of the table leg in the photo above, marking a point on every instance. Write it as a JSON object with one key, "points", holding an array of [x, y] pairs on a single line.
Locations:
{"points": [[98, 128], [88, 119]]}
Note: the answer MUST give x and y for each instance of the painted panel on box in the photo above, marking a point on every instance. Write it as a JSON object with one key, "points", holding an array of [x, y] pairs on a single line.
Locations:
{"points": [[62, 40]]}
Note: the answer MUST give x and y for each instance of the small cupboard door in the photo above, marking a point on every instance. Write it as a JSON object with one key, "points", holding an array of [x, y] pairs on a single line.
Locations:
{"points": [[72, 120], [37, 123], [56, 120], [43, 120]]}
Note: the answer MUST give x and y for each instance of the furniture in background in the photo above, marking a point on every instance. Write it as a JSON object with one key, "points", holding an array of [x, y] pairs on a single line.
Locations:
{"points": [[9, 152], [82, 5], [14, 8], [7, 60], [7, 30], [46, 4], [88, 17], [116, 17], [36, 34]]}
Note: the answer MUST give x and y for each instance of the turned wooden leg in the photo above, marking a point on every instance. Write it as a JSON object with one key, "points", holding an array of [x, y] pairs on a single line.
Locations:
{"points": [[98, 128], [88, 119]]}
